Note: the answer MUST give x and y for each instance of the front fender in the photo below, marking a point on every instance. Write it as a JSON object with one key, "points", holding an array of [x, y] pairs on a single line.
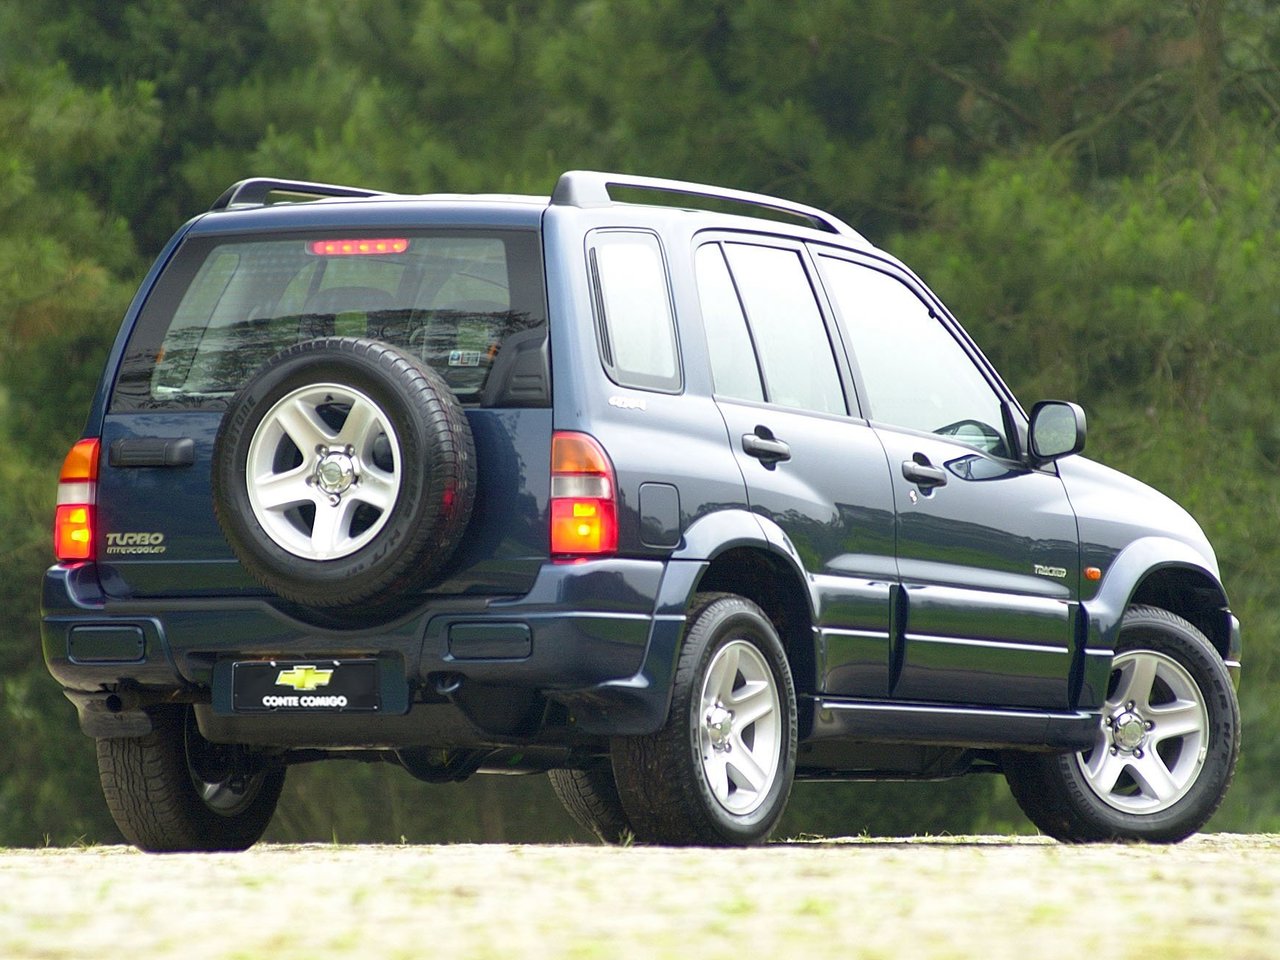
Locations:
{"points": [[1104, 613], [1132, 565]]}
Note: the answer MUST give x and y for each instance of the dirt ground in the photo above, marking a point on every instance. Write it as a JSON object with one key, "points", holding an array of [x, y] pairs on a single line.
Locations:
{"points": [[1213, 896]]}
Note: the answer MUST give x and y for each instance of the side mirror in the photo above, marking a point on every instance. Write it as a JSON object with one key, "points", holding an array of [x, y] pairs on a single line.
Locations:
{"points": [[1057, 430]]}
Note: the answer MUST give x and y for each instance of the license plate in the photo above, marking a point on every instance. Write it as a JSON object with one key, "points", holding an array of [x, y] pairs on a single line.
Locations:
{"points": [[305, 686]]}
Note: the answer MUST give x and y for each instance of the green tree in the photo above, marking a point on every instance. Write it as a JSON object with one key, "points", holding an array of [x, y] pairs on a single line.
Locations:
{"points": [[1091, 185], [61, 259]]}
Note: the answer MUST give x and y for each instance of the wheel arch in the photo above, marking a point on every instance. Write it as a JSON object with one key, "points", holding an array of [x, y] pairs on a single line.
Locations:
{"points": [[748, 554], [1194, 595], [728, 551], [772, 584], [1159, 572], [1164, 573]]}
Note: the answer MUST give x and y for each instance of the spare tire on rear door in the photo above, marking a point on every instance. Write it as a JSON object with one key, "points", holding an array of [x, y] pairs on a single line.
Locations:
{"points": [[344, 473]]}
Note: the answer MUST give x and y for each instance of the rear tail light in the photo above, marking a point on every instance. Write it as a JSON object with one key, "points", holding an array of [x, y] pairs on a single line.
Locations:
{"points": [[77, 492], [584, 504]]}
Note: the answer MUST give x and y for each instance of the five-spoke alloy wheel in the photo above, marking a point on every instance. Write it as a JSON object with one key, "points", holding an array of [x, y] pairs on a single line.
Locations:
{"points": [[720, 771], [344, 474], [741, 728], [322, 472], [1154, 735]]}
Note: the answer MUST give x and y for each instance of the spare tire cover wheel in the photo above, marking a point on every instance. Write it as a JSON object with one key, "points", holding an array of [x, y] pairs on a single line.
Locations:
{"points": [[344, 473]]}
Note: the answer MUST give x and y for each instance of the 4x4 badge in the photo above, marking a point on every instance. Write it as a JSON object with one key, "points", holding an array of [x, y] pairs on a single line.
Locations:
{"points": [[304, 678]]}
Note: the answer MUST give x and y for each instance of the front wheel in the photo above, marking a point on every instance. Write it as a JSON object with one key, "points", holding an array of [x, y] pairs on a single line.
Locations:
{"points": [[174, 791], [1165, 751], [720, 771]]}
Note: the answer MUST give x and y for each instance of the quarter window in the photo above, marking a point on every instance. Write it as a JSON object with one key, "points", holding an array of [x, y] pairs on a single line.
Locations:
{"points": [[914, 371], [633, 308]]}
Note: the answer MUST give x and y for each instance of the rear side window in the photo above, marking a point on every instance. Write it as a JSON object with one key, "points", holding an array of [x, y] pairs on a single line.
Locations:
{"points": [[633, 311], [456, 300], [770, 289], [733, 360]]}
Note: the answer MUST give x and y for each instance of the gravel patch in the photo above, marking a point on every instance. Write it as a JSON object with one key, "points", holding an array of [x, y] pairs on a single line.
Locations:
{"points": [[923, 898]]}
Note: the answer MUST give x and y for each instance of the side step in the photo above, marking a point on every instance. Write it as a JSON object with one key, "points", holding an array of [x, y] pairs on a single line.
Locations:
{"points": [[872, 721]]}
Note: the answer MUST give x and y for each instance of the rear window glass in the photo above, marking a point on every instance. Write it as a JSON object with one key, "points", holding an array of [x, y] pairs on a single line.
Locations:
{"points": [[223, 307]]}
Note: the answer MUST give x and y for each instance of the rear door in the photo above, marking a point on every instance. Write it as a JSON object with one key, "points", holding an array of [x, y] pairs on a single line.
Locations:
{"points": [[987, 548], [470, 303], [811, 465]]}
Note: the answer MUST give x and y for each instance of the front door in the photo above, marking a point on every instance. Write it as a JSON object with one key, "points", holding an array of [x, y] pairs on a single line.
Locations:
{"points": [[988, 562], [987, 547]]}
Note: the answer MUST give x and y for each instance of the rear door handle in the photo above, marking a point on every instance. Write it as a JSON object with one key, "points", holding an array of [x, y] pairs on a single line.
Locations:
{"points": [[924, 474], [765, 447]]}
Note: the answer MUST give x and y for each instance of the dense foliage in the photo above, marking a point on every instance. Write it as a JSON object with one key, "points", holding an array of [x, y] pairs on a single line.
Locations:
{"points": [[1093, 185]]}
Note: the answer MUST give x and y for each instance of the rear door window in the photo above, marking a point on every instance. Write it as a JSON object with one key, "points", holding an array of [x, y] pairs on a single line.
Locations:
{"points": [[765, 331], [225, 306], [734, 368]]}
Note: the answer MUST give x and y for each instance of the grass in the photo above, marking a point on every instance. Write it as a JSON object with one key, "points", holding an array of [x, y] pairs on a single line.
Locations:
{"points": [[939, 898]]}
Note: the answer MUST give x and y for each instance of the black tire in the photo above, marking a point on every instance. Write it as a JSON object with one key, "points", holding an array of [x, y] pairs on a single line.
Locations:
{"points": [[665, 780], [344, 508], [590, 796], [1136, 784], [172, 791]]}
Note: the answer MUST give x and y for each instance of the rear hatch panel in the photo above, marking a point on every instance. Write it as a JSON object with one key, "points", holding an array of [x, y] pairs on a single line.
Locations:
{"points": [[467, 299]]}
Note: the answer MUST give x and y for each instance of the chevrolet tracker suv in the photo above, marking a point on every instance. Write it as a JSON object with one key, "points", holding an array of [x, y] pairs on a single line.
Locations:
{"points": [[676, 505]]}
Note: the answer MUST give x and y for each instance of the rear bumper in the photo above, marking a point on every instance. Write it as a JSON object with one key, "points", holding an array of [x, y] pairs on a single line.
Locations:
{"points": [[599, 637]]}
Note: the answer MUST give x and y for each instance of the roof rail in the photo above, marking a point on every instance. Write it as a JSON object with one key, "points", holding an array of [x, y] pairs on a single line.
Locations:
{"points": [[590, 188], [255, 191]]}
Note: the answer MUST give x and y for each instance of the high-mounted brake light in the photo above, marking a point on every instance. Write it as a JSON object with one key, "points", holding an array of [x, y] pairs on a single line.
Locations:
{"points": [[77, 493], [357, 247], [584, 505]]}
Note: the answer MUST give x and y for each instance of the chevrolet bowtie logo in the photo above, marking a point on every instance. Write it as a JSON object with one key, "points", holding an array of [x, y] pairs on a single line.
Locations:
{"points": [[304, 678]]}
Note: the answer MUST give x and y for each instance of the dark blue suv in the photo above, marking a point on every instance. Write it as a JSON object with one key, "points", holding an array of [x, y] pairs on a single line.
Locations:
{"points": [[674, 504]]}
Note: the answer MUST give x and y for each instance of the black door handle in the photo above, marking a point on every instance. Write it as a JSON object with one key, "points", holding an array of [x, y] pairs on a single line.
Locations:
{"points": [[152, 452], [765, 447], [924, 474]]}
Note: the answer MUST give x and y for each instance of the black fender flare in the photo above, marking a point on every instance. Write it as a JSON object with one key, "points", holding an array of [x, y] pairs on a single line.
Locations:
{"points": [[1104, 612], [639, 704]]}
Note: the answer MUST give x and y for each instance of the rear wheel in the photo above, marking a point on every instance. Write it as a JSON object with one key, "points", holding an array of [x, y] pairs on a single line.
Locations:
{"points": [[590, 796], [720, 771], [1166, 748], [174, 791]]}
